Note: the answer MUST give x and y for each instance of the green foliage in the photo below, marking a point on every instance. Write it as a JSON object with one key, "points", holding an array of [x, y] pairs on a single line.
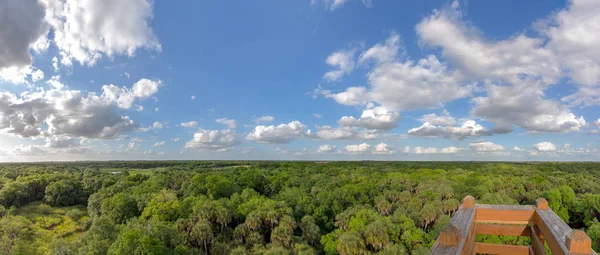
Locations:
{"points": [[217, 207]]}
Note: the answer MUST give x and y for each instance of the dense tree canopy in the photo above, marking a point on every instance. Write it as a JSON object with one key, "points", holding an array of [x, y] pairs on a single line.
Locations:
{"points": [[205, 207]]}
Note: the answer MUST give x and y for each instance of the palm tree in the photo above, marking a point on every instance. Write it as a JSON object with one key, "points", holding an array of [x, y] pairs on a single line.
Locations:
{"points": [[202, 231], [351, 243], [376, 234]]}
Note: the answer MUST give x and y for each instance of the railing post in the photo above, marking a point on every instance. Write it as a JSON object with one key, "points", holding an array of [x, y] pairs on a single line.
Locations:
{"points": [[468, 202], [541, 203], [450, 235], [578, 242]]}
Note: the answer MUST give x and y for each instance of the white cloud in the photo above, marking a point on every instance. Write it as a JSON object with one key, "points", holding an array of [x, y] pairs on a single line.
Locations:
{"points": [[357, 148], [213, 140], [125, 98], [84, 31], [156, 109], [175, 139], [264, 118], [467, 129], [486, 147], [450, 150], [139, 108], [55, 82], [318, 116], [375, 118], [573, 35], [227, 122], [433, 119], [189, 124], [517, 148], [283, 133], [55, 64], [394, 82], [326, 148], [519, 57], [21, 75], [345, 133], [344, 61], [159, 144], [281, 150], [428, 150], [524, 106], [193, 97], [334, 4], [544, 147], [383, 148], [62, 113], [157, 125]]}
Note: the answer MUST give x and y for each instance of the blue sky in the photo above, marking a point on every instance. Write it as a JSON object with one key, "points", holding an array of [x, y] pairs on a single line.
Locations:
{"points": [[320, 79]]}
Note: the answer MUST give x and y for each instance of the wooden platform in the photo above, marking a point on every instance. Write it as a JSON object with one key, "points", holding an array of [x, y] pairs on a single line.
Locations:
{"points": [[538, 222]]}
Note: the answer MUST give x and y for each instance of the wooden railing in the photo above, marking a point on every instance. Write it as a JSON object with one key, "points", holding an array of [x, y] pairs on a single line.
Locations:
{"points": [[538, 222]]}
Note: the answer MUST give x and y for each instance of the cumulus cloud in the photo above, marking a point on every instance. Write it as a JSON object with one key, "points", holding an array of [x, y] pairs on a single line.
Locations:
{"points": [[486, 147], [22, 26], [326, 148], [383, 148], [175, 139], [227, 122], [213, 140], [572, 34], [443, 120], [159, 144], [544, 147], [524, 106], [467, 129], [157, 125], [357, 148], [62, 112], [375, 118], [318, 116], [345, 133], [283, 133], [190, 124], [84, 31], [343, 60], [402, 84], [264, 118], [125, 97], [525, 67]]}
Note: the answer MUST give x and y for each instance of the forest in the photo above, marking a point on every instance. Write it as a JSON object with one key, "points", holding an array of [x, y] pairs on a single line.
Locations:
{"points": [[254, 207]]}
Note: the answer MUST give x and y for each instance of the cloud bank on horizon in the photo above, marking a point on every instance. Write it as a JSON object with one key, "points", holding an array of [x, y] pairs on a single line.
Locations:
{"points": [[138, 79]]}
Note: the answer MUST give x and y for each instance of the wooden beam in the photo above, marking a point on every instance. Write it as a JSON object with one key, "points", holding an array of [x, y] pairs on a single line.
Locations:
{"points": [[536, 243], [503, 230], [553, 229], [463, 221], [504, 213], [501, 249]]}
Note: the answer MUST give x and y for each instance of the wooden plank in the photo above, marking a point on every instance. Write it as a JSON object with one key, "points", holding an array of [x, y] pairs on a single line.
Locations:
{"points": [[507, 222], [503, 230], [505, 213], [536, 244], [553, 229], [501, 249], [463, 219]]}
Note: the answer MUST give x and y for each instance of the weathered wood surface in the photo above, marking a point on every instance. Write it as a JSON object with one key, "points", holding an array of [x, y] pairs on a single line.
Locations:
{"points": [[503, 230], [472, 219], [501, 249], [463, 219], [554, 230], [536, 243], [505, 213]]}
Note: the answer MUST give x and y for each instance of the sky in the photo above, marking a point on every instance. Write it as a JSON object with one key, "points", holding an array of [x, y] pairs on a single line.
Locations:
{"points": [[299, 80]]}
